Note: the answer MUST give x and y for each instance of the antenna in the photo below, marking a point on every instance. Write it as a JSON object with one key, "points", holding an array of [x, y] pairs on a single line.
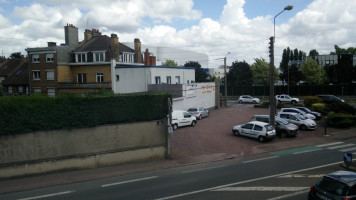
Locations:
{"points": [[87, 23]]}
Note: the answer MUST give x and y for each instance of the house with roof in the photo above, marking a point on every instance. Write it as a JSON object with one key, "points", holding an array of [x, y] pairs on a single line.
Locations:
{"points": [[14, 76]]}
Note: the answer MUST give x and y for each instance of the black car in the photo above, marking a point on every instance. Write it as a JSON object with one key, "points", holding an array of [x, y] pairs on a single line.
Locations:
{"points": [[305, 109], [328, 99], [283, 128], [339, 185]]}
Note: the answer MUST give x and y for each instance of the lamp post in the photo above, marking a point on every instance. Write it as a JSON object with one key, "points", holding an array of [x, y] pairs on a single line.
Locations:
{"points": [[272, 102], [225, 78]]}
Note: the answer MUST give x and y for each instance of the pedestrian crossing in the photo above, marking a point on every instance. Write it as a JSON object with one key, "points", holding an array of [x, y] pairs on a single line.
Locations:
{"points": [[340, 146]]}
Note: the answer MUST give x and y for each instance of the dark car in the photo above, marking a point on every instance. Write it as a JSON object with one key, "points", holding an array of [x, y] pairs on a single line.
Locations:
{"points": [[283, 128], [328, 99], [305, 109], [338, 185]]}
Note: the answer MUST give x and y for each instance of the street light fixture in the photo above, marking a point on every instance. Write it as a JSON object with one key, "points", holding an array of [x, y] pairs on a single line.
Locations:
{"points": [[225, 79], [272, 102]]}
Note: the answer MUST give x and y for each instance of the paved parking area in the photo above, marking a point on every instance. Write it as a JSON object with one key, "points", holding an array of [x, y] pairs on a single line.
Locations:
{"points": [[212, 138]]}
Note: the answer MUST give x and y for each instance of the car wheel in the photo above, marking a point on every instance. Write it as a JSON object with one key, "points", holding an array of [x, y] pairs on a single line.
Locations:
{"points": [[283, 134], [175, 126], [279, 101], [236, 133], [240, 101], [303, 127], [193, 123], [199, 117], [261, 139], [254, 102], [293, 102]]}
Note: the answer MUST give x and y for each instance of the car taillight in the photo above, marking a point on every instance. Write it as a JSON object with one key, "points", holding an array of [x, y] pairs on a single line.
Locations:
{"points": [[346, 199], [312, 188], [196, 112], [266, 134], [250, 120]]}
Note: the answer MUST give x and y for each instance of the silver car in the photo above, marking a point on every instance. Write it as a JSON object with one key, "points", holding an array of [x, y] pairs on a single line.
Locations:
{"points": [[296, 110], [248, 99], [299, 120], [199, 112]]}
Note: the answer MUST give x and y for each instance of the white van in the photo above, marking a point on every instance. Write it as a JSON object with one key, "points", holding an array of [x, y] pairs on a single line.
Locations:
{"points": [[182, 118]]}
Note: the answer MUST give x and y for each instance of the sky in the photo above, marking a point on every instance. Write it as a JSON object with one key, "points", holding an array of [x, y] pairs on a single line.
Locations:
{"points": [[237, 29]]}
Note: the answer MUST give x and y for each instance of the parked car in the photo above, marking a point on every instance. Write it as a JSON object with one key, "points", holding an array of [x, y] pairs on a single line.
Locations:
{"points": [[296, 110], [330, 98], [305, 109], [259, 130], [182, 118], [337, 185], [299, 120], [248, 99], [284, 98], [283, 127], [199, 112]]}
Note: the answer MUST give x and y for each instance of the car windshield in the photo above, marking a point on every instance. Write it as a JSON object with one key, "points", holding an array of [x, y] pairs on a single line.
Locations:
{"points": [[306, 110], [269, 127], [288, 97], [192, 109], [299, 116], [333, 186], [281, 121]]}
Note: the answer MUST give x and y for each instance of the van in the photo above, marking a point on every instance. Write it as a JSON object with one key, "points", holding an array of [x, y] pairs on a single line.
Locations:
{"points": [[182, 118]]}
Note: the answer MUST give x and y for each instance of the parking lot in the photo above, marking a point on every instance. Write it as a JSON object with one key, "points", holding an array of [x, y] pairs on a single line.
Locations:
{"points": [[212, 139]]}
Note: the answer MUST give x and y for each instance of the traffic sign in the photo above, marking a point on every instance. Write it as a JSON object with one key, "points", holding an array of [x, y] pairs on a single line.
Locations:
{"points": [[347, 159]]}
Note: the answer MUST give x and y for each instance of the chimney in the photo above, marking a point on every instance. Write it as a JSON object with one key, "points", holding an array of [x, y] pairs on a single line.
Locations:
{"points": [[114, 43], [87, 34], [149, 60], [138, 55], [51, 44], [71, 35]]}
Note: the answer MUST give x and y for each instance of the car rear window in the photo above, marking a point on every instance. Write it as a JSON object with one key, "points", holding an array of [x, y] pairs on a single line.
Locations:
{"points": [[192, 109], [333, 186], [269, 127]]}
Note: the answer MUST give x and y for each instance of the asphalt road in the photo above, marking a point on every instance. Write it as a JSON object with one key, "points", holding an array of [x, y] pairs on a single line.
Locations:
{"points": [[285, 174]]}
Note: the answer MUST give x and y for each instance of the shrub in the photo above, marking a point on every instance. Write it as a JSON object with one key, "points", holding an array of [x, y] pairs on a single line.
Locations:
{"points": [[341, 120], [341, 108], [310, 100], [319, 107]]}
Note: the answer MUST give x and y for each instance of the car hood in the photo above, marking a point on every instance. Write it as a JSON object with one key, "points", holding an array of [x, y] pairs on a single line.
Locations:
{"points": [[310, 121], [291, 126]]}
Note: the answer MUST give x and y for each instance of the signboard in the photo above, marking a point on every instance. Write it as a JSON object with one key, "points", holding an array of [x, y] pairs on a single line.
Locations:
{"points": [[347, 159]]}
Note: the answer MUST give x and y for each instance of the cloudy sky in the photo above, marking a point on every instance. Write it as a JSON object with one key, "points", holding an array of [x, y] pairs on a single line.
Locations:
{"points": [[214, 27]]}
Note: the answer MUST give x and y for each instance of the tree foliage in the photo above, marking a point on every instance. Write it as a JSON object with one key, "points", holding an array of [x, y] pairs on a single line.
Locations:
{"points": [[239, 74], [290, 65], [313, 53], [313, 73], [338, 50], [171, 63], [15, 55], [200, 74], [260, 72]]}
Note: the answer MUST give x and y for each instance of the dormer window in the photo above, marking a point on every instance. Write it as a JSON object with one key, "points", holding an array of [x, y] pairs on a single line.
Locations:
{"points": [[81, 57], [99, 56], [128, 57]]}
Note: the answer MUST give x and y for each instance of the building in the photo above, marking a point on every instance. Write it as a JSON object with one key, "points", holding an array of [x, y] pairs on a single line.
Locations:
{"points": [[324, 60], [14, 76], [217, 72]]}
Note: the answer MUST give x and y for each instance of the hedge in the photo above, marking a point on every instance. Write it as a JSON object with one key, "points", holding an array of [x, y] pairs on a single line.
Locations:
{"points": [[21, 114], [341, 120], [310, 100]]}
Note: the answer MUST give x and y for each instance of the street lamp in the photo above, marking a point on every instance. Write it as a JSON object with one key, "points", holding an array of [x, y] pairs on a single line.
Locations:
{"points": [[225, 79], [272, 105]]}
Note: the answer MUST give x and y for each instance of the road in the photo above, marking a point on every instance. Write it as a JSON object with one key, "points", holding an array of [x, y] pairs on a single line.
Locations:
{"points": [[285, 174]]}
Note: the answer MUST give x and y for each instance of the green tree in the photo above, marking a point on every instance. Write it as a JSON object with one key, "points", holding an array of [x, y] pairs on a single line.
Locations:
{"points": [[313, 73], [15, 55], [170, 63], [239, 74], [313, 53], [338, 50], [200, 74], [260, 72], [290, 65]]}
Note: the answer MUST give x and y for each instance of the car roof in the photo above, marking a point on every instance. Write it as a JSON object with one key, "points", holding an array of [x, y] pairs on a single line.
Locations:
{"points": [[290, 113], [259, 123], [346, 177]]}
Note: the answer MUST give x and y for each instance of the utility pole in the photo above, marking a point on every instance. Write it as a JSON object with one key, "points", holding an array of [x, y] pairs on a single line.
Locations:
{"points": [[272, 105], [225, 80]]}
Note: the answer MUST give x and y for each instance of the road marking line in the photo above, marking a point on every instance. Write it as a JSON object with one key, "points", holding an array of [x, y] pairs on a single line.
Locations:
{"points": [[248, 161], [196, 170], [48, 195], [301, 176], [349, 149], [261, 188], [329, 144], [130, 181], [246, 181], [341, 146], [307, 151], [289, 195]]}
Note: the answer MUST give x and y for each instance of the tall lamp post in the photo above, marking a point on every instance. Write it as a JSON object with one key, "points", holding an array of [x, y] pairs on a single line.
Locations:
{"points": [[272, 102], [225, 78]]}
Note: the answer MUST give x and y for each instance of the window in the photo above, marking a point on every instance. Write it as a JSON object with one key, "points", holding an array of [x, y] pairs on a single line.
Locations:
{"points": [[99, 77], [9, 89], [117, 78], [50, 74], [49, 57], [81, 78], [128, 57], [177, 79], [81, 57], [247, 126], [51, 92], [258, 128], [169, 80], [157, 80], [37, 90], [35, 58], [99, 56], [36, 75], [20, 89]]}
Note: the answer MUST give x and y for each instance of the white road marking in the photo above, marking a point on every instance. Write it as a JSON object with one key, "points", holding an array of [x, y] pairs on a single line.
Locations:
{"points": [[248, 161], [261, 188], [329, 144], [47, 195], [196, 170], [349, 149], [246, 181], [302, 176], [289, 195], [341, 146], [130, 181], [307, 151]]}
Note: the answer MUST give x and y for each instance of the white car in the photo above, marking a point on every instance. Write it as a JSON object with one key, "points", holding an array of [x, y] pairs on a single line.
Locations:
{"points": [[284, 98], [299, 120], [296, 110], [248, 99], [182, 118], [255, 129]]}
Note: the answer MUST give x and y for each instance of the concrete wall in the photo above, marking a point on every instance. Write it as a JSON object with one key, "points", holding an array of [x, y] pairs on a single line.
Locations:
{"points": [[41, 152], [196, 95]]}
